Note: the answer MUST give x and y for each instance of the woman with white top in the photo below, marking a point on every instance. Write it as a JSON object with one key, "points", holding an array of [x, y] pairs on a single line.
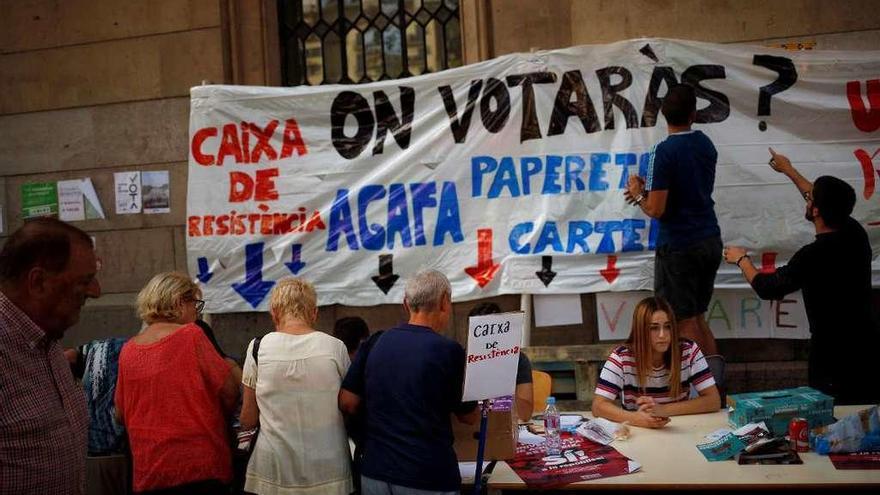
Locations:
{"points": [[290, 392]]}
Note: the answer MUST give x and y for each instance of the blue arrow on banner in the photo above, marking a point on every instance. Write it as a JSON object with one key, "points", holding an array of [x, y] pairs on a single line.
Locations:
{"points": [[295, 264], [254, 289], [204, 275]]}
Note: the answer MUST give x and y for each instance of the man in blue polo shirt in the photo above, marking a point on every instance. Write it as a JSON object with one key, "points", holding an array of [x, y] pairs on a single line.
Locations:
{"points": [[407, 385], [678, 192]]}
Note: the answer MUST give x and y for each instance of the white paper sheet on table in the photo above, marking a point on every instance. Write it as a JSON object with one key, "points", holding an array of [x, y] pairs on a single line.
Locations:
{"points": [[529, 438], [599, 430], [569, 420], [468, 469]]}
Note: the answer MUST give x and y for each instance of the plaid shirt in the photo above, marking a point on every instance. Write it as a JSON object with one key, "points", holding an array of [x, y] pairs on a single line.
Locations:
{"points": [[43, 418]]}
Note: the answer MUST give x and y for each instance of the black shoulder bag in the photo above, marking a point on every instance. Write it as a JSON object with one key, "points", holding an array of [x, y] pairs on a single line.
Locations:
{"points": [[245, 440]]}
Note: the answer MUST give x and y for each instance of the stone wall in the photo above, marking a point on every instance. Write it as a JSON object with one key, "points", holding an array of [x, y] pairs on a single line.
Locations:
{"points": [[93, 87]]}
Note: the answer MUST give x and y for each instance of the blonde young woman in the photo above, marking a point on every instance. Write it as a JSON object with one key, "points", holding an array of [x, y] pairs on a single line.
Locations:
{"points": [[174, 393], [290, 392], [653, 371]]}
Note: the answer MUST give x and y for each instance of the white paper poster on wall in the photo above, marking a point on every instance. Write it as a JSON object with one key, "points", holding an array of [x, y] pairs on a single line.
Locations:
{"points": [[92, 203], [508, 175], [557, 309], [78, 200], [71, 206], [732, 314], [156, 192], [128, 192], [494, 344]]}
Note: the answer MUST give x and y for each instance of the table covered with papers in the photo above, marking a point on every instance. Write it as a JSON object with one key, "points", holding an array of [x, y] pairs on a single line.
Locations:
{"points": [[669, 459]]}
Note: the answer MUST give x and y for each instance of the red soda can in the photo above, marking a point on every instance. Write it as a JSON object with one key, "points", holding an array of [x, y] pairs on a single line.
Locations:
{"points": [[798, 435]]}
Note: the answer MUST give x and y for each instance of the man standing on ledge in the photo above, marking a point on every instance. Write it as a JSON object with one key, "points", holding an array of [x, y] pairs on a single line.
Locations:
{"points": [[47, 270], [409, 383], [834, 273], [678, 193]]}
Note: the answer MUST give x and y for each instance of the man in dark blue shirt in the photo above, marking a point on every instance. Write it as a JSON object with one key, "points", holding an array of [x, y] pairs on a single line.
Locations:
{"points": [[408, 384], [834, 273], [678, 192]]}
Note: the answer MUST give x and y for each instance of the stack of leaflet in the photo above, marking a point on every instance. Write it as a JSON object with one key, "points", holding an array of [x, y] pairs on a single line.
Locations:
{"points": [[749, 444]]}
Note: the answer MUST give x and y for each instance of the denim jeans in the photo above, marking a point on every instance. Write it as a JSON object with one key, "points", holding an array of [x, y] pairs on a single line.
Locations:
{"points": [[370, 486]]}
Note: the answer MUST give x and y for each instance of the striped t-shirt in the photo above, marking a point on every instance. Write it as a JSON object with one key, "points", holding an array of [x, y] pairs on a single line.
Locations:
{"points": [[619, 376]]}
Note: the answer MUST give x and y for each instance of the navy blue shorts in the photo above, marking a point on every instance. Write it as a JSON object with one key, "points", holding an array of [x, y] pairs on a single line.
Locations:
{"points": [[685, 277]]}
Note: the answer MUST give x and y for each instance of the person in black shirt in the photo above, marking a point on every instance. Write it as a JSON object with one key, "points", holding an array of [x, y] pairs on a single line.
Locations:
{"points": [[677, 191], [352, 331], [834, 273]]}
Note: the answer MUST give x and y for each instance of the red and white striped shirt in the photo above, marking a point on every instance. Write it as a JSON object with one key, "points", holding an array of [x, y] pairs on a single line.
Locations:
{"points": [[619, 377], [43, 419]]}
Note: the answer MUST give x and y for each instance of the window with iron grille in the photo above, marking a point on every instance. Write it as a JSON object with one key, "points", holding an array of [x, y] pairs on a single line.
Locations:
{"points": [[357, 41]]}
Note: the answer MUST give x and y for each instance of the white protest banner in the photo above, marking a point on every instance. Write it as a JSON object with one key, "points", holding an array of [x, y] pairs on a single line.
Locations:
{"points": [[788, 317], [508, 175], [128, 192], [732, 314], [494, 343]]}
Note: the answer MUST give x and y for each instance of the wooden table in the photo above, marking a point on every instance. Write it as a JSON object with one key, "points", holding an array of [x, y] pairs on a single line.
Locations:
{"points": [[670, 461]]}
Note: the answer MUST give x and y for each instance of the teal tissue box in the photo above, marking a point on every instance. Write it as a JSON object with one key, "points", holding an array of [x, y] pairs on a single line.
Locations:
{"points": [[777, 407]]}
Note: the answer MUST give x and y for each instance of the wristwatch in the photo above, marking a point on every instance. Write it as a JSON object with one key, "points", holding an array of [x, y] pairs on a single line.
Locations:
{"points": [[740, 260]]}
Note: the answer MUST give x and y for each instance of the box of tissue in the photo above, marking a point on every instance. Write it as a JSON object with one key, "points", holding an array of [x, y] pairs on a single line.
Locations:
{"points": [[776, 408]]}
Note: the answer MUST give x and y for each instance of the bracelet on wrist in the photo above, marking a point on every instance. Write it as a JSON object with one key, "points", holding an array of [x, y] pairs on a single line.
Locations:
{"points": [[740, 260]]}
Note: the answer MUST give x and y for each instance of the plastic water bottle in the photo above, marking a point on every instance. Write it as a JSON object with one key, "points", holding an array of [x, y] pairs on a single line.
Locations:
{"points": [[857, 432], [551, 428]]}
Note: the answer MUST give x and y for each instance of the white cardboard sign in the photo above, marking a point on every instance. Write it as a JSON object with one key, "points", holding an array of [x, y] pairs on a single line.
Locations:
{"points": [[557, 309], [494, 344]]}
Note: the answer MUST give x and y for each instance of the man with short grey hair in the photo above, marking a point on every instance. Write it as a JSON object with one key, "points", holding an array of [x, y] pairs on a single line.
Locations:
{"points": [[407, 383]]}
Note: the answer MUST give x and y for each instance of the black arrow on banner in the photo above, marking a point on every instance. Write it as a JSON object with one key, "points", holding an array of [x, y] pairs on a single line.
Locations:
{"points": [[546, 274], [386, 278], [649, 52]]}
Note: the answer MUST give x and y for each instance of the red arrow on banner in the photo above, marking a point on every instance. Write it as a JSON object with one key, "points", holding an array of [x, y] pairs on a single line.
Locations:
{"points": [[867, 163], [485, 269], [768, 262], [610, 272]]}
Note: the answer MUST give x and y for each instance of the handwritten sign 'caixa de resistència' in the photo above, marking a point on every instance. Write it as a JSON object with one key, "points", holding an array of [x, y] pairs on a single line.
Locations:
{"points": [[494, 344]]}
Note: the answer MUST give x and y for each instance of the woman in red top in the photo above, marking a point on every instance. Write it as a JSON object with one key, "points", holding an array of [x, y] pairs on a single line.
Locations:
{"points": [[173, 394]]}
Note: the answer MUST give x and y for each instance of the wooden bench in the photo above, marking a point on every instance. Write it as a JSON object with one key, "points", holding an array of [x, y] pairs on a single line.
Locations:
{"points": [[587, 361]]}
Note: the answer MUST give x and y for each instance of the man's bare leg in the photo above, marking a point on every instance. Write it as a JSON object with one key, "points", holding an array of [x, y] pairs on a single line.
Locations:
{"points": [[696, 329]]}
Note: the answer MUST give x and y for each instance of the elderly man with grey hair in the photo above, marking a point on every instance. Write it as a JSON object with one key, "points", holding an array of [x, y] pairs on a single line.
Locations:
{"points": [[405, 385]]}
